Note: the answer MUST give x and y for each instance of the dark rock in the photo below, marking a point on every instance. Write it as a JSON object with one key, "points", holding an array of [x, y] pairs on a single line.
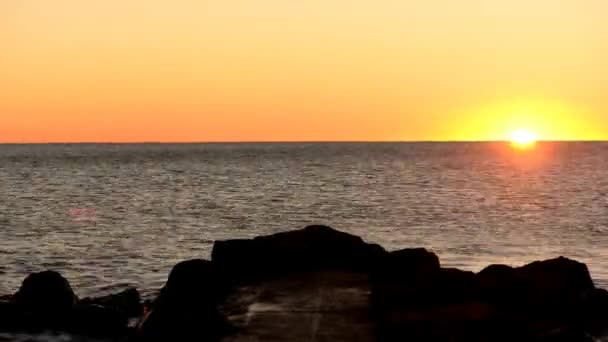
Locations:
{"points": [[127, 302], [552, 300], [9, 316], [470, 321], [45, 301], [97, 321], [404, 277], [592, 311], [45, 293], [454, 286], [313, 248], [542, 288], [187, 306], [563, 334], [552, 288], [556, 279], [192, 283], [409, 263], [500, 284]]}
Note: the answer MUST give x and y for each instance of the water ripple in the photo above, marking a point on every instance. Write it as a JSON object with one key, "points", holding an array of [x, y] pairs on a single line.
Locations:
{"points": [[108, 216]]}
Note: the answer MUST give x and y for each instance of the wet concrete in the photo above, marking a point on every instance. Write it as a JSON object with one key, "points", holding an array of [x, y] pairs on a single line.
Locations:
{"points": [[322, 306]]}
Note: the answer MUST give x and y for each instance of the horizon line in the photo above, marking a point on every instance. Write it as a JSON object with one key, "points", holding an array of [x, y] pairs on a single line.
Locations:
{"points": [[287, 142]]}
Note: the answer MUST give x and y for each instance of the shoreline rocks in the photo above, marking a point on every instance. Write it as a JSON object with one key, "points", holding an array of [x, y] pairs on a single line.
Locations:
{"points": [[186, 306], [310, 249], [46, 302], [407, 295]]}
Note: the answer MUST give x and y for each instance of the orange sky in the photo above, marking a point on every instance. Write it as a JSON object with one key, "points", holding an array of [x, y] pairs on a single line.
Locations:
{"points": [[267, 70]]}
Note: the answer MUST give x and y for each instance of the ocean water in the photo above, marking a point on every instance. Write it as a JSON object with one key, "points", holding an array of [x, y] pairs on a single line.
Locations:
{"points": [[108, 216]]}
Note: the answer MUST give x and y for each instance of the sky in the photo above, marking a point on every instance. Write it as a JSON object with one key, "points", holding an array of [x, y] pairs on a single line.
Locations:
{"points": [[314, 70]]}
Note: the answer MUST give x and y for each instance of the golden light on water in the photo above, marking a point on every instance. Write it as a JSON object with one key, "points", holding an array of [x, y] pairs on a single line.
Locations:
{"points": [[523, 139]]}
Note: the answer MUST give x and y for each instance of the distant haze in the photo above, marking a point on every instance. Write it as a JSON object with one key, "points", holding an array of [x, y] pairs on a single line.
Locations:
{"points": [[268, 70]]}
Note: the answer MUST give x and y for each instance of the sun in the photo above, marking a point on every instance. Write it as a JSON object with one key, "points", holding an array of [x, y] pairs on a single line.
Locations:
{"points": [[523, 139]]}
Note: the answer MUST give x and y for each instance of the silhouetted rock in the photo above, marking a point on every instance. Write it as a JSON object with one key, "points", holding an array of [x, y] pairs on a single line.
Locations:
{"points": [[127, 302], [558, 279], [408, 263], [313, 248], [10, 316], [339, 283], [467, 321], [97, 321], [592, 312], [499, 284], [563, 334], [455, 286], [47, 293], [46, 301], [404, 277], [426, 302], [187, 306]]}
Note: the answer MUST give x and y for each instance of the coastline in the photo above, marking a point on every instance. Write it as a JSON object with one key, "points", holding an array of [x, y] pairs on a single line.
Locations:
{"points": [[318, 282]]}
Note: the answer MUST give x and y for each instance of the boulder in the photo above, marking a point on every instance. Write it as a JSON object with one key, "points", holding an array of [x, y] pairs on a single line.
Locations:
{"points": [[454, 286], [97, 321], [500, 284], [404, 277], [128, 302], [408, 263], [313, 248], [192, 283], [467, 321], [46, 301], [592, 311], [552, 280], [186, 306], [10, 316], [562, 334], [45, 293], [553, 285]]}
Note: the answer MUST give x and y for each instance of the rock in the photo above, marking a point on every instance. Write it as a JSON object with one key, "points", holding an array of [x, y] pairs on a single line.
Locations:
{"points": [[592, 311], [552, 285], [499, 284], [556, 278], [186, 306], [454, 286], [404, 277], [470, 321], [313, 248], [45, 301], [97, 321], [563, 334], [127, 302], [409, 263], [192, 283], [10, 316], [45, 293]]}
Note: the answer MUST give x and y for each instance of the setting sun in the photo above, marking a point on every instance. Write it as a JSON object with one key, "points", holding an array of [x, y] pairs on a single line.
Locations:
{"points": [[523, 139]]}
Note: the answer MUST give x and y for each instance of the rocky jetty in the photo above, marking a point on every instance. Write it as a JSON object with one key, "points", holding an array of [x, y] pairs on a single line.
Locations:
{"points": [[322, 284]]}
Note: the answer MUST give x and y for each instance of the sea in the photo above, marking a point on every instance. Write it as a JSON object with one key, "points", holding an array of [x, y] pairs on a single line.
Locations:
{"points": [[109, 216]]}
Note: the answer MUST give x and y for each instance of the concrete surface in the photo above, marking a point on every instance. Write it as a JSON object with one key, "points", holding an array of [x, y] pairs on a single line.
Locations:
{"points": [[322, 306]]}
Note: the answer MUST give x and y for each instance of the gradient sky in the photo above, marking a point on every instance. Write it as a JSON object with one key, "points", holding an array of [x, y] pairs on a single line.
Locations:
{"points": [[267, 70]]}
